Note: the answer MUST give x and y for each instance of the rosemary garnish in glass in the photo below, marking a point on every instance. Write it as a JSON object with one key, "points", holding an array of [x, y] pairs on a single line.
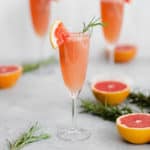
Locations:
{"points": [[93, 23]]}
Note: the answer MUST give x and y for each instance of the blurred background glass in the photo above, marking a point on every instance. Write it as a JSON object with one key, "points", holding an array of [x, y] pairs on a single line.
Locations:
{"points": [[20, 43]]}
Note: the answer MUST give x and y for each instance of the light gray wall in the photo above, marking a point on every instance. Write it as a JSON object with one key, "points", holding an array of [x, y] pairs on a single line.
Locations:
{"points": [[18, 41]]}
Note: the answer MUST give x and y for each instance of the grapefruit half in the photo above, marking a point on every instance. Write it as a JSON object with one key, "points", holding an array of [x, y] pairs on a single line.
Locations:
{"points": [[58, 34], [125, 53], [110, 92], [9, 75], [134, 128]]}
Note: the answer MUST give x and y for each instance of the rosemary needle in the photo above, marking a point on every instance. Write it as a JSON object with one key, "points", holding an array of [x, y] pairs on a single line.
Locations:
{"points": [[29, 67], [29, 136], [110, 113], [93, 23]]}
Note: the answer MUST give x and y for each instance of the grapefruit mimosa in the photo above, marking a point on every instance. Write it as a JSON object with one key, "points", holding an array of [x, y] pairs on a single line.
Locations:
{"points": [[73, 55], [112, 14], [73, 59], [40, 13]]}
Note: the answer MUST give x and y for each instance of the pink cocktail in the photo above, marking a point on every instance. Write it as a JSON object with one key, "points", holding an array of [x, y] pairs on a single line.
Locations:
{"points": [[112, 12], [40, 14], [73, 59], [73, 54]]}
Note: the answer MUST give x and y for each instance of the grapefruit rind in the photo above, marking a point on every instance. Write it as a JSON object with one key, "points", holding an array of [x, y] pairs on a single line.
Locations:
{"points": [[111, 98], [53, 39], [133, 135], [9, 79], [122, 56]]}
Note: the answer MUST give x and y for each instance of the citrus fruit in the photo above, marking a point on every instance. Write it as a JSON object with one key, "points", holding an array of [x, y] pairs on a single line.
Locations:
{"points": [[9, 75], [58, 33], [125, 53], [110, 92], [134, 128], [128, 1]]}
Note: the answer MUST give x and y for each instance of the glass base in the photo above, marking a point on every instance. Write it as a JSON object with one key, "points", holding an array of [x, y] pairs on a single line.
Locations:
{"points": [[73, 134]]}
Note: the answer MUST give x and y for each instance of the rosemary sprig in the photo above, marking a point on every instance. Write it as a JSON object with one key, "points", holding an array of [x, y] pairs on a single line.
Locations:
{"points": [[110, 113], [29, 67], [29, 136], [140, 99], [93, 23]]}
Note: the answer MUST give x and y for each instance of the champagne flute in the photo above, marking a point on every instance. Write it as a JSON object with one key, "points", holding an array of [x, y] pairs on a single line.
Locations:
{"points": [[112, 15], [73, 54], [40, 15]]}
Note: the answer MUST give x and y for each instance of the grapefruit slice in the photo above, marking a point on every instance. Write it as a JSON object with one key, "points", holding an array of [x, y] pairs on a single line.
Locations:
{"points": [[134, 128], [9, 75], [127, 1], [58, 34], [125, 53], [110, 92]]}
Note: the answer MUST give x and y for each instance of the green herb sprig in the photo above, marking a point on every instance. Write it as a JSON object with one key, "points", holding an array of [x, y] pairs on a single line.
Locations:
{"points": [[140, 99], [110, 113], [93, 23], [29, 136], [29, 67]]}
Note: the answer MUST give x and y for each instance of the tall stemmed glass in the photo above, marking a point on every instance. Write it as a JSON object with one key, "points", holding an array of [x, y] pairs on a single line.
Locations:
{"points": [[73, 55], [40, 15], [112, 15]]}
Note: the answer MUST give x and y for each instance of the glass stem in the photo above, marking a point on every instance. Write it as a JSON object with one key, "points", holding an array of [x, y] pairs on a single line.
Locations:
{"points": [[74, 110], [111, 48], [41, 50]]}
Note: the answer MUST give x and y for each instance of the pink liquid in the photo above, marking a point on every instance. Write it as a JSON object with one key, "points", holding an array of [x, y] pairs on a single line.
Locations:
{"points": [[73, 55], [112, 15], [40, 13]]}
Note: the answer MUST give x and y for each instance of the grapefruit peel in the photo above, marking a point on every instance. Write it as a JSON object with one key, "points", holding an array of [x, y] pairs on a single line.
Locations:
{"points": [[58, 34], [125, 53], [8, 78], [134, 135], [111, 98]]}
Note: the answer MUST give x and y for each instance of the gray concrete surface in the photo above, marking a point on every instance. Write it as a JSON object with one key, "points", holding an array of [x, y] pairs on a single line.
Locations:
{"points": [[44, 98]]}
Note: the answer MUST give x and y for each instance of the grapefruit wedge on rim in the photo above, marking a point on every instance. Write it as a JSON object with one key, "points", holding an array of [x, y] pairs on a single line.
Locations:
{"points": [[58, 34], [127, 1], [9, 75], [110, 92], [134, 128]]}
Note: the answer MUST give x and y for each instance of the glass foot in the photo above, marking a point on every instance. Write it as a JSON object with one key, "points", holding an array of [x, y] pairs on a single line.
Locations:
{"points": [[73, 134]]}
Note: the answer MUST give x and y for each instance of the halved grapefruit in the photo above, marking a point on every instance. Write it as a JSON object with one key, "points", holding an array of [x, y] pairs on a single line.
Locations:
{"points": [[9, 75], [125, 53], [134, 128], [58, 33], [110, 92]]}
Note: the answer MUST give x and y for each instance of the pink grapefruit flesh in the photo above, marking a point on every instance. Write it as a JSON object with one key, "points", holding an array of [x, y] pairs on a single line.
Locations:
{"points": [[110, 92], [110, 86], [134, 128], [136, 121]]}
